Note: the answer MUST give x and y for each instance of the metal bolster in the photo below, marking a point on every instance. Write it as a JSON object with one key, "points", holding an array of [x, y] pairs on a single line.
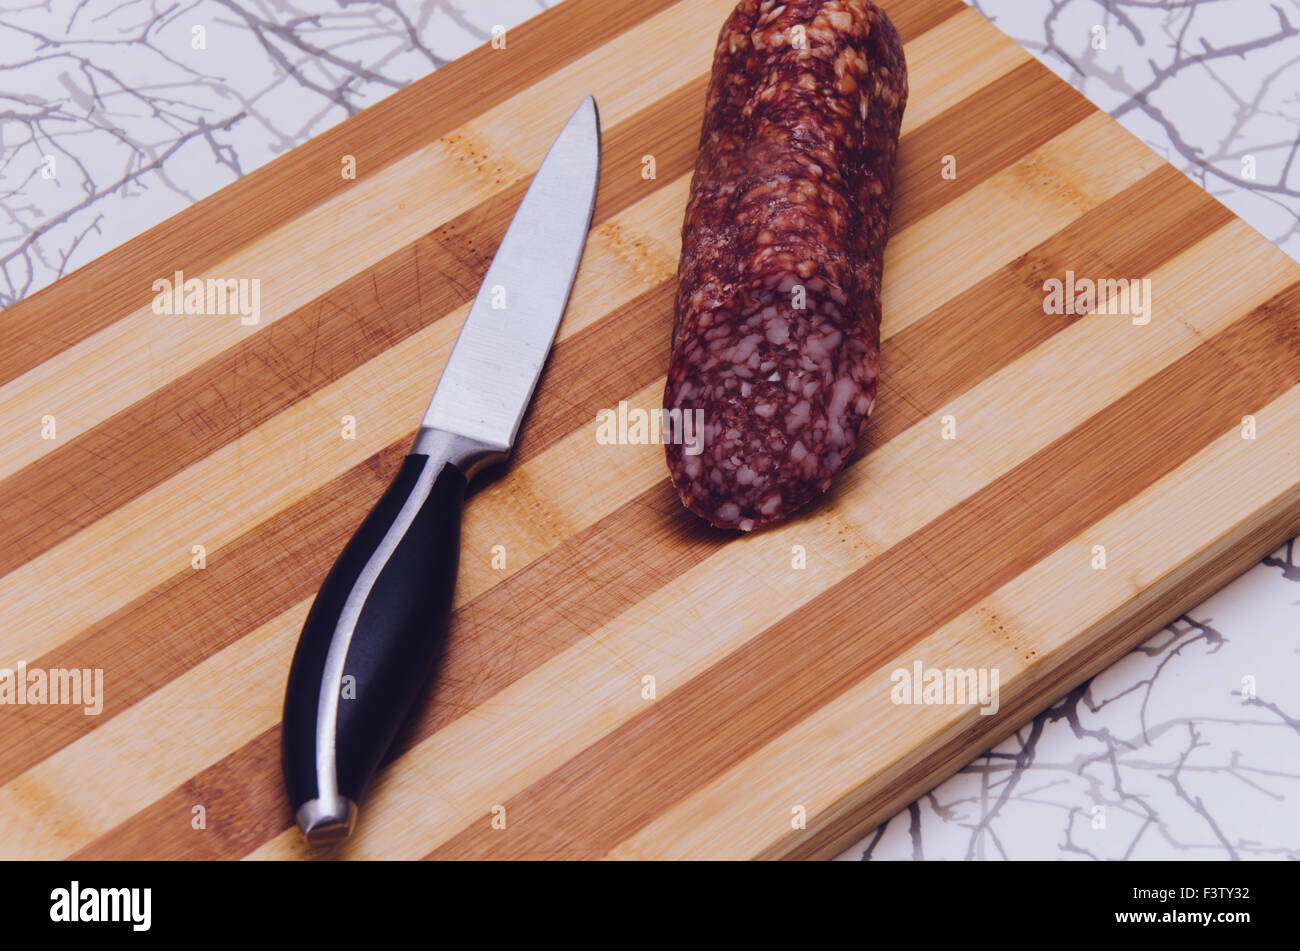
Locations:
{"points": [[466, 454]]}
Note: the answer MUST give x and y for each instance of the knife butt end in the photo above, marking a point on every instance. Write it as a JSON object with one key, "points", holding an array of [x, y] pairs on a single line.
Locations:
{"points": [[326, 821]]}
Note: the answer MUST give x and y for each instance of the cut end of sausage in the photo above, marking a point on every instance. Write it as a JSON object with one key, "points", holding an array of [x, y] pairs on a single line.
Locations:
{"points": [[771, 417], [734, 495]]}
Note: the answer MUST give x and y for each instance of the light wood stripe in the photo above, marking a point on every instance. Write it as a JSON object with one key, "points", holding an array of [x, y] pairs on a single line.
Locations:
{"points": [[990, 129], [768, 679], [933, 260], [959, 65], [228, 700]]}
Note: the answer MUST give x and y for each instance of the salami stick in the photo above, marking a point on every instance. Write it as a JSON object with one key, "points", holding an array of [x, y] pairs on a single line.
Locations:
{"points": [[777, 330]]}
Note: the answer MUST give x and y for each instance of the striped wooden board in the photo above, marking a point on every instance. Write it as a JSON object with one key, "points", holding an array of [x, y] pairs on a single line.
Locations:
{"points": [[771, 683]]}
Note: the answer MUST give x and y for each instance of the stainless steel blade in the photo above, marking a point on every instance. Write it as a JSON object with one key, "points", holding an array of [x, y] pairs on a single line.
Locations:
{"points": [[489, 379]]}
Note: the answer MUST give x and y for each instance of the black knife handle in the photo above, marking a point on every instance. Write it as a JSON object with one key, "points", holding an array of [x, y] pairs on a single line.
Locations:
{"points": [[372, 637]]}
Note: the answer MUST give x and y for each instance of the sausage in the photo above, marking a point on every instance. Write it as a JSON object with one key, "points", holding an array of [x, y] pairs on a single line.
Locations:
{"points": [[776, 330]]}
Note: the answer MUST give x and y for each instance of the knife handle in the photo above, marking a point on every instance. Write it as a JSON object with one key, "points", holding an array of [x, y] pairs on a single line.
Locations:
{"points": [[373, 636]]}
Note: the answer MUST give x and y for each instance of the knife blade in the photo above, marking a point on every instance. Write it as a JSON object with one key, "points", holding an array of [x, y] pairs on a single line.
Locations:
{"points": [[378, 624]]}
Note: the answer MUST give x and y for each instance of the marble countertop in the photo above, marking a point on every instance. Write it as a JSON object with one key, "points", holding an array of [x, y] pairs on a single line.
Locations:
{"points": [[119, 114]]}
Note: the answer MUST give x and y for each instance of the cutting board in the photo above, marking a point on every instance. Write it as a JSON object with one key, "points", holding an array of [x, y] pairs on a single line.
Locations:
{"points": [[1036, 494]]}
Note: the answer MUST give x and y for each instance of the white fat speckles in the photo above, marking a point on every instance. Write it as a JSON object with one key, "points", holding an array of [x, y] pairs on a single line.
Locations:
{"points": [[744, 350], [692, 466], [821, 346], [728, 511], [842, 392]]}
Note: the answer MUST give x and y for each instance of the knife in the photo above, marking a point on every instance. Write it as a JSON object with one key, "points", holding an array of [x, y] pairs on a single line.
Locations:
{"points": [[379, 623]]}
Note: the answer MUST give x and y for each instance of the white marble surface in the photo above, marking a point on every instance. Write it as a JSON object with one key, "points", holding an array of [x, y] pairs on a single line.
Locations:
{"points": [[1161, 755], [140, 124], [1209, 84]]}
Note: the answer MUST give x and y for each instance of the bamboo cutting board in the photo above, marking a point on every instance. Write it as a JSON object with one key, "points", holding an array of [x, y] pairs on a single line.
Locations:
{"points": [[622, 680]]}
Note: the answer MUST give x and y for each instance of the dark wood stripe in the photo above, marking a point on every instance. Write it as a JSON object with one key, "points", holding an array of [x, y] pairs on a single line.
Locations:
{"points": [[120, 282], [987, 131], [480, 665], [811, 656], [608, 371], [1001, 315], [912, 18], [225, 789]]}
